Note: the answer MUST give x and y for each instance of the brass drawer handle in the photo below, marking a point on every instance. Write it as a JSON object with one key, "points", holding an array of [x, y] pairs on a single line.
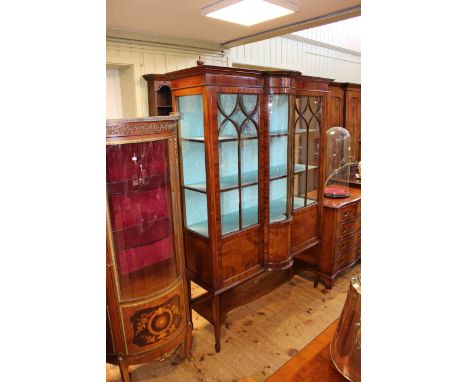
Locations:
{"points": [[345, 213]]}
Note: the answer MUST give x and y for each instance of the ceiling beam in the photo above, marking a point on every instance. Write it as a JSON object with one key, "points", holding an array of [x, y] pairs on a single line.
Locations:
{"points": [[301, 25]]}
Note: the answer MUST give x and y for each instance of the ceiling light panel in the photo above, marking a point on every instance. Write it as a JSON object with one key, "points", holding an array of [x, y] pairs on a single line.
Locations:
{"points": [[249, 12]]}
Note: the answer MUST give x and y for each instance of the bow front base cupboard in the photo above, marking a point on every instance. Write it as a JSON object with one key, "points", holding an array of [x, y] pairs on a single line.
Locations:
{"points": [[147, 297], [251, 143]]}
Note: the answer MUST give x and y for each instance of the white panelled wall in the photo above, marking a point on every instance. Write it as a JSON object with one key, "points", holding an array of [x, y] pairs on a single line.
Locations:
{"points": [[330, 51], [134, 59]]}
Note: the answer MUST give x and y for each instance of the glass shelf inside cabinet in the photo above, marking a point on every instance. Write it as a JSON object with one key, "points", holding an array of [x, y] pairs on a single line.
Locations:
{"points": [[139, 199], [193, 163]]}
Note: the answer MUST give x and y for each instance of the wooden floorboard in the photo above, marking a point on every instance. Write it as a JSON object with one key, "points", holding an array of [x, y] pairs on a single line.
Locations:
{"points": [[257, 338]]}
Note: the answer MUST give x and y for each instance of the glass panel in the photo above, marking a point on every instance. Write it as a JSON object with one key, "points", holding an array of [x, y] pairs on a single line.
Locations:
{"points": [[249, 103], [249, 129], [191, 116], [300, 152], [229, 211], [226, 104], [299, 190], [312, 186], [278, 156], [314, 148], [279, 106], [278, 195], [279, 111], [228, 166], [196, 217], [308, 114], [249, 206], [193, 162], [140, 211], [249, 161], [193, 165], [227, 130]]}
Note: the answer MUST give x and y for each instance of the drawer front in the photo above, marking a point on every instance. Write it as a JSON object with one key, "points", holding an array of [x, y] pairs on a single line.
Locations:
{"points": [[347, 228], [152, 324], [345, 259], [346, 244], [348, 212]]}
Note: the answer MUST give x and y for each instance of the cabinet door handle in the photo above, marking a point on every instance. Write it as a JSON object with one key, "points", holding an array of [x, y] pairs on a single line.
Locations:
{"points": [[345, 213]]}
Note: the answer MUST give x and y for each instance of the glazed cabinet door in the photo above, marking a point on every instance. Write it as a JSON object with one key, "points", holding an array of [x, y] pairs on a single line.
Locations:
{"points": [[307, 141], [194, 182], [239, 174], [308, 119], [238, 160], [140, 218]]}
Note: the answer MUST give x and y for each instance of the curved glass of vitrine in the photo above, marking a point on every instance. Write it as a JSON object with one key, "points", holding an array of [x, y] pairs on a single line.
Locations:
{"points": [[192, 139], [339, 161], [307, 131], [279, 121], [140, 216], [238, 160]]}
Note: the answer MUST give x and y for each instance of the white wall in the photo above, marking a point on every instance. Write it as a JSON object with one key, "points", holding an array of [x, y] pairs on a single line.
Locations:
{"points": [[113, 94], [330, 51], [136, 59]]}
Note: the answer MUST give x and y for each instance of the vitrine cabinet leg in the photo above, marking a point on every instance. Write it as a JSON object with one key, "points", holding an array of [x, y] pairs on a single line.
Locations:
{"points": [[216, 323], [124, 373], [188, 343]]}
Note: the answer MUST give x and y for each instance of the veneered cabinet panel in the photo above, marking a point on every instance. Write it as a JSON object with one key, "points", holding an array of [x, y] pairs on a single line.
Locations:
{"points": [[353, 120], [154, 323], [304, 227], [239, 253]]}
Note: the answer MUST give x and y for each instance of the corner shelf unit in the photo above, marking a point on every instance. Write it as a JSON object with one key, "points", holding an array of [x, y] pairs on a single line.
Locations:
{"points": [[251, 143]]}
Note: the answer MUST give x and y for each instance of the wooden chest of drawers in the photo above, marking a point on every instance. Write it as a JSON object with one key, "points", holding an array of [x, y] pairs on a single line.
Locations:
{"points": [[341, 236]]}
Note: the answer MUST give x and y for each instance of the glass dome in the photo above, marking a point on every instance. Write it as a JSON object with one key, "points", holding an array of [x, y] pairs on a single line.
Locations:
{"points": [[339, 161]]}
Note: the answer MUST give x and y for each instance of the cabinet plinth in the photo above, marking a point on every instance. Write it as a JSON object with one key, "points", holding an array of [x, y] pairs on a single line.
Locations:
{"points": [[146, 296], [251, 144]]}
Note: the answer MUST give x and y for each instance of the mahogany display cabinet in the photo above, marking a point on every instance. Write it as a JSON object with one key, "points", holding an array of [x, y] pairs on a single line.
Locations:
{"points": [[251, 143], [147, 296]]}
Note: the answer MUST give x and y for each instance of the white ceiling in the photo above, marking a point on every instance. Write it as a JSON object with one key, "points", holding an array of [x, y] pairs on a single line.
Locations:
{"points": [[180, 21]]}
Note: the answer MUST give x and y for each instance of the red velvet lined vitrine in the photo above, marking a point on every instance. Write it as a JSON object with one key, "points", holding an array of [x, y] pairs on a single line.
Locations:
{"points": [[147, 302]]}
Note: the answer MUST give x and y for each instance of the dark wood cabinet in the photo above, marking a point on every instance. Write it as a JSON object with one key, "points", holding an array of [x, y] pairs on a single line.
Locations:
{"points": [[345, 111], [147, 296], [159, 95], [251, 144], [341, 236]]}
